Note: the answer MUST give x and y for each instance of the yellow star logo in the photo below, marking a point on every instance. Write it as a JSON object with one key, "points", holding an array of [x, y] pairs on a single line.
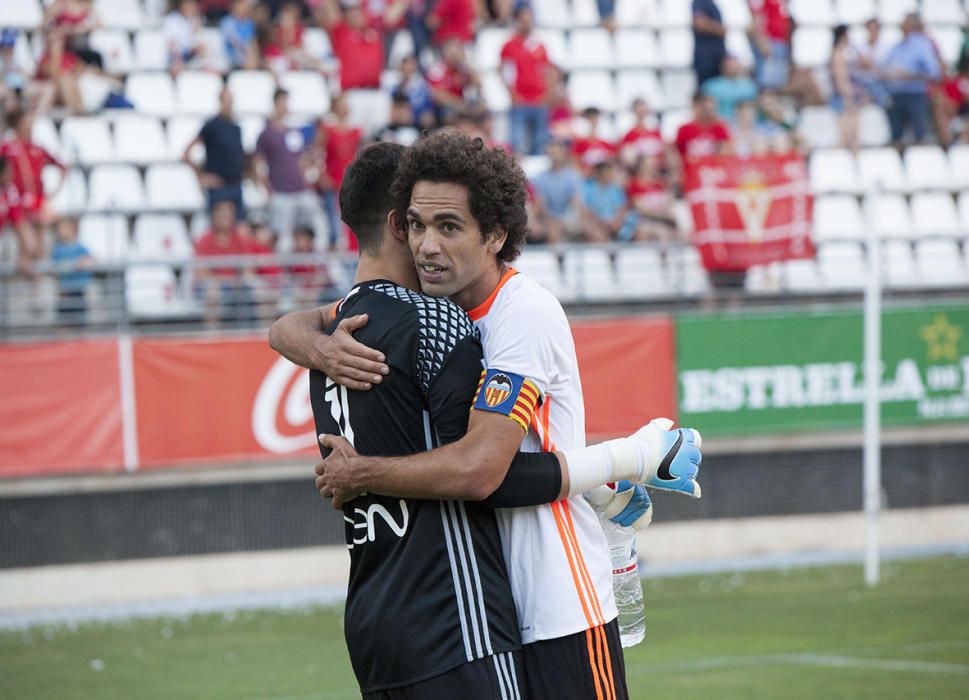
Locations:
{"points": [[942, 338]]}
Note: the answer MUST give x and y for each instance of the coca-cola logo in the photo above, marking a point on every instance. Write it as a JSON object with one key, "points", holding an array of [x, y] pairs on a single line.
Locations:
{"points": [[282, 415]]}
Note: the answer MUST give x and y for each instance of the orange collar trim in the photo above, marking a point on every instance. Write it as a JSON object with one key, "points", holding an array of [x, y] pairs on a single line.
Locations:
{"points": [[482, 309]]}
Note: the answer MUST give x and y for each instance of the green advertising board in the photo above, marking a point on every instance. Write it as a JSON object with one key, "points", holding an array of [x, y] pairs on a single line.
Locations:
{"points": [[764, 373]]}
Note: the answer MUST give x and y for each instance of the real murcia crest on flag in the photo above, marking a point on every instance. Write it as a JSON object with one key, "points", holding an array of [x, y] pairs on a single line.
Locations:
{"points": [[753, 198], [498, 390]]}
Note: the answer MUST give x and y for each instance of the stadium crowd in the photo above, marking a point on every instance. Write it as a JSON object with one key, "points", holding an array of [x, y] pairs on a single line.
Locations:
{"points": [[590, 181]]}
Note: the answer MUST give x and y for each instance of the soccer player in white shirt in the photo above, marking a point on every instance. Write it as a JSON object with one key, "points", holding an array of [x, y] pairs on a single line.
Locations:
{"points": [[464, 210]]}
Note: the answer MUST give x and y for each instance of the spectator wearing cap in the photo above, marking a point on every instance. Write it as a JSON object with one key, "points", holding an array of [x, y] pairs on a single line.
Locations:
{"points": [[336, 145], [558, 208], [709, 40], [731, 87], [222, 170], [453, 82], [525, 70], [279, 160], [907, 71], [239, 33], [358, 40], [770, 39]]}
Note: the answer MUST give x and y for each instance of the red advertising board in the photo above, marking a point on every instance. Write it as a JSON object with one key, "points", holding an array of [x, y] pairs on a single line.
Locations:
{"points": [[224, 399], [750, 211]]}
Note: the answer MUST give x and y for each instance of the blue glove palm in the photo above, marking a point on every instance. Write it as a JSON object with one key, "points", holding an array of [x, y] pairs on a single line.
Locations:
{"points": [[631, 506]]}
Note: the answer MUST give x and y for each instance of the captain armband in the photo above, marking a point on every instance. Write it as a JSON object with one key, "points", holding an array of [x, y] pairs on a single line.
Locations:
{"points": [[509, 394]]}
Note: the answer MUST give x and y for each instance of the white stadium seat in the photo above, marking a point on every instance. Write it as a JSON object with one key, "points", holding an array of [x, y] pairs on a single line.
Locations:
{"points": [[552, 13], [738, 45], [959, 166], [899, 264], [819, 12], [927, 168], [676, 48], [888, 215], [115, 49], [639, 84], [736, 13], [123, 14], [873, 129], [252, 91], [636, 48], [44, 134], [819, 127], [842, 266], [21, 14], [854, 11], [833, 170], [592, 273], [591, 48], [161, 237], [182, 131], [812, 46], [942, 12], [115, 188], [638, 13], [593, 88], [151, 93], [679, 87], [964, 212], [801, 276], [881, 168], [939, 263], [672, 120], [542, 265], [494, 91], [838, 216], [216, 58], [151, 50], [369, 109], [151, 291], [641, 273], [106, 236], [676, 13], [87, 140], [949, 40], [254, 195], [555, 45], [533, 166], [687, 275], [173, 186], [307, 92], [316, 42], [140, 139], [71, 199], [197, 92], [934, 214], [487, 49], [585, 13], [894, 11], [252, 126]]}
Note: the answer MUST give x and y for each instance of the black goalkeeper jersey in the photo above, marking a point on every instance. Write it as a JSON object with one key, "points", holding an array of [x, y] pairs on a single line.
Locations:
{"points": [[428, 586]]}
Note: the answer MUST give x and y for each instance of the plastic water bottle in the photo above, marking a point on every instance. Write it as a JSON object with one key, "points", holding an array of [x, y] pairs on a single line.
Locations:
{"points": [[625, 582]]}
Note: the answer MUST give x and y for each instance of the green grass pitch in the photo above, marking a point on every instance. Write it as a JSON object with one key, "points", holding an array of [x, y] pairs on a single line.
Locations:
{"points": [[803, 633]]}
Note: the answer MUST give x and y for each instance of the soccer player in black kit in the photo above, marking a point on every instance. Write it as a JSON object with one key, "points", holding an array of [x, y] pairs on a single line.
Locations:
{"points": [[429, 613]]}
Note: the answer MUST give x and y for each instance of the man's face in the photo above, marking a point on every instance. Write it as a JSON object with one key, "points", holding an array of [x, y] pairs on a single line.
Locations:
{"points": [[223, 217], [706, 109], [225, 101], [452, 52], [451, 258], [354, 17]]}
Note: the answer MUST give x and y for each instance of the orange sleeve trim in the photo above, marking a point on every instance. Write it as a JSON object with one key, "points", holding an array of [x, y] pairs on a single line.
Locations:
{"points": [[482, 309]]}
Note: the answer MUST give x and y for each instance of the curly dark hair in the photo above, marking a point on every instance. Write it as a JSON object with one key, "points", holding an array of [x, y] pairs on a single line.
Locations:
{"points": [[496, 184]]}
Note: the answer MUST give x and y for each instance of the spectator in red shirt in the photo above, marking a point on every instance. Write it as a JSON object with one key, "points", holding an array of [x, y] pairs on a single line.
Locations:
{"points": [[336, 145], [449, 79], [706, 135], [452, 19], [651, 200], [225, 290], [26, 161], [358, 41], [644, 138], [525, 69], [284, 50], [590, 148], [770, 39], [10, 211]]}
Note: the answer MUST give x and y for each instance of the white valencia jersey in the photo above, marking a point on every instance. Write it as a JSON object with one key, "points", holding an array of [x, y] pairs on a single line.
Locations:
{"points": [[557, 556]]}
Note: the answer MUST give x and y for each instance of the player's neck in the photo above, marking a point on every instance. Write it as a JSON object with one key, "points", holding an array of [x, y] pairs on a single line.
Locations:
{"points": [[387, 266], [476, 293]]}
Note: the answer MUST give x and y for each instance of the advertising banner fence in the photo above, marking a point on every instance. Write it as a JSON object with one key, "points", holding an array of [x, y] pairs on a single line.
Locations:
{"points": [[800, 372]]}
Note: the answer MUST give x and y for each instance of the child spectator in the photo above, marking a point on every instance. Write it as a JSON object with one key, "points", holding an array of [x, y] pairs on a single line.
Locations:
{"points": [[644, 138], [308, 279], [607, 214], [589, 148], [73, 282], [26, 161], [651, 201], [336, 145], [239, 32], [182, 29], [731, 87]]}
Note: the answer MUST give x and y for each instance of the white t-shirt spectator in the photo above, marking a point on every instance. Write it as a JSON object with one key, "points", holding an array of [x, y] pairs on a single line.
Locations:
{"points": [[179, 33]]}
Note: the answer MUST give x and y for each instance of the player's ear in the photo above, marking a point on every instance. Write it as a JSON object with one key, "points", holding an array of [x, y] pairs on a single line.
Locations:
{"points": [[496, 240], [397, 231]]}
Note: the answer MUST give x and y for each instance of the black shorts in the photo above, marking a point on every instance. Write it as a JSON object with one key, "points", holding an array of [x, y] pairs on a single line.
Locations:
{"points": [[583, 666], [493, 678]]}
